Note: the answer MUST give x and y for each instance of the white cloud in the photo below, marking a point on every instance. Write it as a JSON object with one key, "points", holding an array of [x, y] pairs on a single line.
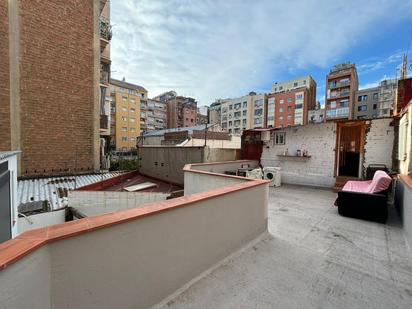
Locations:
{"points": [[380, 63], [209, 49]]}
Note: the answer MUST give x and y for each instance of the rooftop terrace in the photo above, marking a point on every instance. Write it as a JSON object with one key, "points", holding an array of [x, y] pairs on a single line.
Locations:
{"points": [[311, 258]]}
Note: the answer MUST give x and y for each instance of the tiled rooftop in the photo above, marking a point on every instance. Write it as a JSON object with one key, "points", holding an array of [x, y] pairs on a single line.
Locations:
{"points": [[311, 258]]}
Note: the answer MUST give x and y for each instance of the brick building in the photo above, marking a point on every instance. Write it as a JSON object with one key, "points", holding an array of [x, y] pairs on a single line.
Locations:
{"points": [[289, 108], [404, 93], [49, 84], [341, 85], [181, 112]]}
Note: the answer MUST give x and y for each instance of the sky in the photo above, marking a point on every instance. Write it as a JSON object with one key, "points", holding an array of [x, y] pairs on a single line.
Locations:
{"points": [[210, 49]]}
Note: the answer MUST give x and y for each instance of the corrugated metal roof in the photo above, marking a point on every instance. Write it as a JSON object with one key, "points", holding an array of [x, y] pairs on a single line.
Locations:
{"points": [[47, 189]]}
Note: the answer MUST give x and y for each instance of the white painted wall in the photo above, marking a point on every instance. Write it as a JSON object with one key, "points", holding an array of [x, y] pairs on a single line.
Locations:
{"points": [[27, 283], [233, 143], [92, 203], [403, 201], [379, 143], [319, 140], [41, 220], [138, 263]]}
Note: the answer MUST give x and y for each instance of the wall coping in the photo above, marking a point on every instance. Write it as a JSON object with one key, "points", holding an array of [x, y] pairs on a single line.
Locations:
{"points": [[14, 249]]}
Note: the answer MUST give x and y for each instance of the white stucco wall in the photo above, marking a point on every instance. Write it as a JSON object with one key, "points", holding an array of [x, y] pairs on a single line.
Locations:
{"points": [[319, 140], [379, 143], [92, 203], [41, 220]]}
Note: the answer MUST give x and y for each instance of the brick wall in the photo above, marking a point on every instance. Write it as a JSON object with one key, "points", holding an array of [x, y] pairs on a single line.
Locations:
{"points": [[56, 46], [319, 140], [4, 79], [379, 143]]}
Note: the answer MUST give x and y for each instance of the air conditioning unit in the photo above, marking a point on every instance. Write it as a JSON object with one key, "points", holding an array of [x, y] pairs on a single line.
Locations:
{"points": [[272, 174]]}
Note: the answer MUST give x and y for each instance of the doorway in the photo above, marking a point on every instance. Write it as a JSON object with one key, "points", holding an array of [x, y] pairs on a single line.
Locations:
{"points": [[350, 149]]}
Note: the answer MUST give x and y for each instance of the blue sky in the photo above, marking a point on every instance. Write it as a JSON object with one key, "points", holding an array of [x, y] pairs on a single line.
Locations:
{"points": [[218, 49]]}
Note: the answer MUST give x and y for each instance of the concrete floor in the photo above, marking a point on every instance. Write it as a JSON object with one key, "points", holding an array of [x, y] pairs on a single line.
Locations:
{"points": [[312, 258]]}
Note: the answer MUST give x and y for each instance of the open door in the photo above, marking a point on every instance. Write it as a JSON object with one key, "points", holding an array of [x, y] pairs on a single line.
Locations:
{"points": [[349, 153]]}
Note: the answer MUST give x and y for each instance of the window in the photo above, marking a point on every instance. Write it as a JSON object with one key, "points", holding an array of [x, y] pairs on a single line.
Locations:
{"points": [[289, 108], [124, 109], [289, 117], [280, 118], [133, 101], [244, 121], [244, 113], [362, 108], [281, 101], [124, 138], [299, 96], [280, 88], [258, 103], [280, 138], [258, 112], [298, 106], [281, 110], [237, 114], [333, 104], [375, 96], [295, 84], [132, 139], [132, 129], [362, 98], [132, 119], [124, 129], [271, 101], [124, 99], [230, 107], [124, 118], [258, 121], [230, 123], [237, 123], [289, 100], [133, 110], [244, 104], [375, 106], [237, 105], [143, 114]]}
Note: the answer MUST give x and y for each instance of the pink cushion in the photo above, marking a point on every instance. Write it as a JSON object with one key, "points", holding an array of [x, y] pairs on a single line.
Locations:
{"points": [[380, 182]]}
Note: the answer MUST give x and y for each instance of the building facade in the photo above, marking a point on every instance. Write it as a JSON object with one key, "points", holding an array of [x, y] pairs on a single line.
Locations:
{"points": [[316, 115], [341, 85], [49, 90], [202, 115], [181, 112], [404, 94], [215, 112], [289, 108], [301, 82], [244, 113], [387, 97], [366, 103], [156, 115], [126, 99]]}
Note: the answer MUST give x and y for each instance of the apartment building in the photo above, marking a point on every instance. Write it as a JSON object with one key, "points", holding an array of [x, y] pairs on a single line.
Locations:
{"points": [[289, 108], [202, 115], [302, 82], [404, 93], [181, 112], [247, 112], [49, 85], [156, 115], [366, 103], [126, 99], [341, 85], [387, 97]]}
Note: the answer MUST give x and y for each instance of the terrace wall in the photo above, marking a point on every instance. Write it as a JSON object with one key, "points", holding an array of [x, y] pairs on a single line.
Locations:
{"points": [[133, 258]]}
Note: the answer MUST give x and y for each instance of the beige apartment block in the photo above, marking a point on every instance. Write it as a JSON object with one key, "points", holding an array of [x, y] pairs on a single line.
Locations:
{"points": [[126, 99], [244, 113]]}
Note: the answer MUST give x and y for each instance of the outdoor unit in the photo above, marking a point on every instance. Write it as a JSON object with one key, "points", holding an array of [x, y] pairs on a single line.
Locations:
{"points": [[272, 174]]}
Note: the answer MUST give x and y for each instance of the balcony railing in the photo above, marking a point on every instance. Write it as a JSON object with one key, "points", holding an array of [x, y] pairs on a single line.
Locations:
{"points": [[338, 95], [339, 85], [342, 112], [105, 29]]}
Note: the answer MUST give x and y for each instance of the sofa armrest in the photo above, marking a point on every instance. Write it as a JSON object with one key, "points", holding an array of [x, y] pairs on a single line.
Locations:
{"points": [[368, 206]]}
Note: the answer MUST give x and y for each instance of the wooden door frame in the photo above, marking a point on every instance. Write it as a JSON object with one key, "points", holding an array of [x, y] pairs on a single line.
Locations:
{"points": [[339, 126]]}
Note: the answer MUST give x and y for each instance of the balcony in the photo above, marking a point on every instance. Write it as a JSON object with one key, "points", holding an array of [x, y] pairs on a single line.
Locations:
{"points": [[104, 122], [341, 112], [105, 74], [341, 94], [339, 85], [105, 31]]}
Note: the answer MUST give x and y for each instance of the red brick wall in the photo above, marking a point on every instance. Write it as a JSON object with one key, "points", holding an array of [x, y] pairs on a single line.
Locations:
{"points": [[404, 93], [4, 79], [56, 46]]}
